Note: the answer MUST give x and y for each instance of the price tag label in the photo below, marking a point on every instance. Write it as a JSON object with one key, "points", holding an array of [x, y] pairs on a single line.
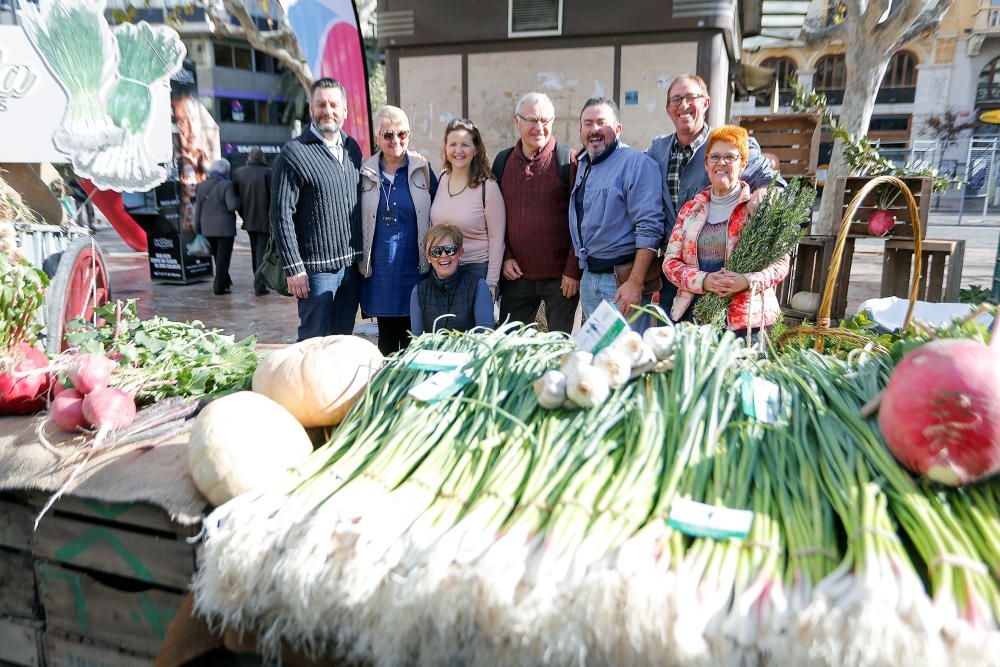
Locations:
{"points": [[601, 329], [432, 360], [438, 386], [761, 398], [701, 520]]}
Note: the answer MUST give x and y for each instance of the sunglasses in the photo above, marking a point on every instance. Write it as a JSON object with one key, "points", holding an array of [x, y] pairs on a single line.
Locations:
{"points": [[402, 134], [438, 250]]}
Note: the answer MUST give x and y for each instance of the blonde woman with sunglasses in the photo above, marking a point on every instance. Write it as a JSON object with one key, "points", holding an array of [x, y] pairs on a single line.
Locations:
{"points": [[397, 187], [452, 297]]}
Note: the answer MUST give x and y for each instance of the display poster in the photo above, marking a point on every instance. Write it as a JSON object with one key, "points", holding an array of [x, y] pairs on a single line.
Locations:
{"points": [[75, 89], [195, 140]]}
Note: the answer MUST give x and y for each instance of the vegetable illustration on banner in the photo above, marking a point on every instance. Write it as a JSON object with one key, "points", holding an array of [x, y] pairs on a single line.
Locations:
{"points": [[112, 78]]}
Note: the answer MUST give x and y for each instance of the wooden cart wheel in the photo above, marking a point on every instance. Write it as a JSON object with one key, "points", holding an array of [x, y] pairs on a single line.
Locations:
{"points": [[80, 285]]}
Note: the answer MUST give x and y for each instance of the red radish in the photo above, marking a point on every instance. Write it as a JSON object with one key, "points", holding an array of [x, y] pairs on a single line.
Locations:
{"points": [[90, 371], [66, 411], [881, 222], [108, 408], [21, 391], [940, 412]]}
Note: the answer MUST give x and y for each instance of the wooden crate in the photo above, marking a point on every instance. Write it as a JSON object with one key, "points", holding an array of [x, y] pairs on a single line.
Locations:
{"points": [[67, 650], [16, 520], [808, 273], [940, 275], [110, 610], [133, 541], [20, 642], [848, 186], [17, 585], [792, 138]]}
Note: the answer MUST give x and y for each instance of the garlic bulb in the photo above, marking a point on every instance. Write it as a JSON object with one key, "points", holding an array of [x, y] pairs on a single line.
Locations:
{"points": [[630, 342], [616, 366], [589, 387], [550, 390], [573, 361], [661, 339]]}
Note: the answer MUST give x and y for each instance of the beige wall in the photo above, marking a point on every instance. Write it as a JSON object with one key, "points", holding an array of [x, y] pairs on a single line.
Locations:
{"points": [[568, 76], [648, 69], [430, 92]]}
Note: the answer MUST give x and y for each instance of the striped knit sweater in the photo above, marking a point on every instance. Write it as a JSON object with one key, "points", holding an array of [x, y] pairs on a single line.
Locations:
{"points": [[316, 205]]}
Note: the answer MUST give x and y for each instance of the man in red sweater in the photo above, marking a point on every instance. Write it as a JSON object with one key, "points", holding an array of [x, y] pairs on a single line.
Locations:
{"points": [[539, 265]]}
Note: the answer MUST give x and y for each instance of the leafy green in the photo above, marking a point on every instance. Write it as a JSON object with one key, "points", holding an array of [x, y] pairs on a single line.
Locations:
{"points": [[974, 294], [161, 358], [22, 290]]}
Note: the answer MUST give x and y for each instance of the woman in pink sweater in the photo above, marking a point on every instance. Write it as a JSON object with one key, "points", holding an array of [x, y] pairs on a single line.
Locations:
{"points": [[470, 199]]}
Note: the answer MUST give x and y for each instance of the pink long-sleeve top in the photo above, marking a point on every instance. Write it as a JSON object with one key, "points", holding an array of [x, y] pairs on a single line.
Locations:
{"points": [[483, 227]]}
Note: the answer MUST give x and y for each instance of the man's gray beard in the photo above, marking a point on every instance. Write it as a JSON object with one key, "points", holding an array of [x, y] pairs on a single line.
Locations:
{"points": [[328, 130]]}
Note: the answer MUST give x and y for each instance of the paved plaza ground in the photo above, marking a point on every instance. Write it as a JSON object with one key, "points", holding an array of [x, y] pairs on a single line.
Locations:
{"points": [[275, 318]]}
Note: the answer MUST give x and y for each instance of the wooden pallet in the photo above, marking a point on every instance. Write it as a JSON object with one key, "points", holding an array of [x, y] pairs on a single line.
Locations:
{"points": [[21, 618], [68, 650], [21, 642], [792, 138], [940, 275]]}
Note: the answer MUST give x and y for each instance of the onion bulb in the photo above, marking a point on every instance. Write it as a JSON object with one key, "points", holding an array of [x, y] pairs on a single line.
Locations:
{"points": [[615, 364], [572, 362], [660, 340], [550, 390], [588, 387]]}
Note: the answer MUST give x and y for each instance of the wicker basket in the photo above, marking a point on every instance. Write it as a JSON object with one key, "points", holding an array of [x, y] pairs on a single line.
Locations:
{"points": [[822, 329]]}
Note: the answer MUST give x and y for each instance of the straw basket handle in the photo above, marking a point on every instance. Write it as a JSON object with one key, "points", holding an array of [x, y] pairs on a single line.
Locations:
{"points": [[822, 327]]}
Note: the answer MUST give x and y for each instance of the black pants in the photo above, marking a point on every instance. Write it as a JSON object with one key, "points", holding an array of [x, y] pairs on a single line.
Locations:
{"points": [[519, 301], [222, 254], [258, 245], [393, 334]]}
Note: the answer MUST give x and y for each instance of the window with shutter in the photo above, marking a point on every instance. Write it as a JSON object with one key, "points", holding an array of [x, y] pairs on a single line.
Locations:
{"points": [[531, 18]]}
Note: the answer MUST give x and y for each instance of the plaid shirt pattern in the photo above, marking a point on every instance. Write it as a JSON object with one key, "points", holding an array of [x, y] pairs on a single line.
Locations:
{"points": [[679, 158]]}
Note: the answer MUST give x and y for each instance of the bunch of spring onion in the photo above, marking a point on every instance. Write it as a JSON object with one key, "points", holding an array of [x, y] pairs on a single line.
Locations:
{"points": [[771, 232], [76, 43], [147, 56], [483, 529]]}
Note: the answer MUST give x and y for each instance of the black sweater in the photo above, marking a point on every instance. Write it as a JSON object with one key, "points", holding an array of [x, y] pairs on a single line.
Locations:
{"points": [[316, 205]]}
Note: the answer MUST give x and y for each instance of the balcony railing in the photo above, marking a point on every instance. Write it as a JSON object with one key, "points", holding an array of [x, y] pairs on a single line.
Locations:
{"points": [[987, 17]]}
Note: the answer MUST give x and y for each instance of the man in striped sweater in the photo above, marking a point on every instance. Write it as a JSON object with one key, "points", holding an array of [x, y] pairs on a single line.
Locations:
{"points": [[316, 216]]}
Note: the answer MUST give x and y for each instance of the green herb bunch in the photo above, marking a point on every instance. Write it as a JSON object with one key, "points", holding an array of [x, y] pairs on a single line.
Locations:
{"points": [[161, 358], [22, 290], [773, 231]]}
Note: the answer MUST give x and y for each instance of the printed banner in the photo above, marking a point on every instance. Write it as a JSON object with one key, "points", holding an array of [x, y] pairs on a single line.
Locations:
{"points": [[107, 86], [331, 41]]}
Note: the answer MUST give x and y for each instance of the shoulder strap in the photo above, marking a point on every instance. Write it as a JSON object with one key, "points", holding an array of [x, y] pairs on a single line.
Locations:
{"points": [[564, 161], [500, 163], [483, 186]]}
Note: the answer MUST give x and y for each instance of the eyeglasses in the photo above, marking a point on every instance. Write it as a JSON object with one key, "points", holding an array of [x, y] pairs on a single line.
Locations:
{"points": [[715, 158], [438, 250], [687, 99], [531, 120], [402, 134]]}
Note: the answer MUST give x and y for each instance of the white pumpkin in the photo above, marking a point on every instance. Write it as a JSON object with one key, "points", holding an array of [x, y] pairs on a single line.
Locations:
{"points": [[806, 302], [319, 379], [241, 442]]}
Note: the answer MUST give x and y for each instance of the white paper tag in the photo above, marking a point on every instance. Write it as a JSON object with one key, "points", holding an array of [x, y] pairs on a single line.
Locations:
{"points": [[432, 360], [700, 520], [438, 386], [601, 329], [761, 398]]}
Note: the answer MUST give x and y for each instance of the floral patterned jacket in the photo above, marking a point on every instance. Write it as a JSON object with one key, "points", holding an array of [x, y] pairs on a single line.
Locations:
{"points": [[756, 306]]}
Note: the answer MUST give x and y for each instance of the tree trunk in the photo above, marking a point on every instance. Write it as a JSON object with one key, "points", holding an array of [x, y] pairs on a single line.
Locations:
{"points": [[866, 65]]}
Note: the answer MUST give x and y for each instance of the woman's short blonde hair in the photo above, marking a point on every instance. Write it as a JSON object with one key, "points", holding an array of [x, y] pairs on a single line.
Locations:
{"points": [[391, 115], [733, 134], [438, 232]]}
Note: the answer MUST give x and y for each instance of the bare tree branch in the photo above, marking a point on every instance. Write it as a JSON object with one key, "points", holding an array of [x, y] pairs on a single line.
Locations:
{"points": [[930, 20], [280, 43]]}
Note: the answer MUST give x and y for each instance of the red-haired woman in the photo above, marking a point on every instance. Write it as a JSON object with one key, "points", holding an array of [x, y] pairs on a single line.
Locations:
{"points": [[708, 229], [470, 199]]}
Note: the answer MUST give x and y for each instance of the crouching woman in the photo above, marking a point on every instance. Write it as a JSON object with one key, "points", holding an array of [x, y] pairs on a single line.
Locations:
{"points": [[451, 297]]}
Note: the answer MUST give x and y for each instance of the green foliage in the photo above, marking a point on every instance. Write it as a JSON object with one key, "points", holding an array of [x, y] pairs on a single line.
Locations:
{"points": [[861, 153], [162, 358], [773, 231], [974, 294], [22, 290]]}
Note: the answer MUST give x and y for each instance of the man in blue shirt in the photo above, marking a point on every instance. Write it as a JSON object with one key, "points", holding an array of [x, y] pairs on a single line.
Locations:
{"points": [[615, 214]]}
